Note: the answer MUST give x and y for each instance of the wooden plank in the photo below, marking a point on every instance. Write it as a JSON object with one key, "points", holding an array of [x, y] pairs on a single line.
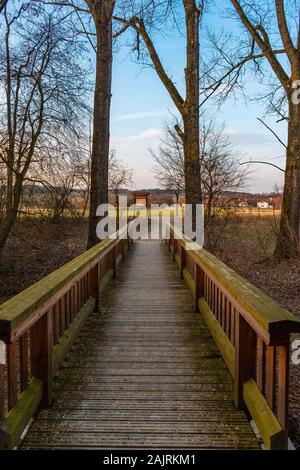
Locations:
{"points": [[200, 416], [271, 376], [56, 322], [62, 348], [271, 431], [2, 391], [12, 379], [24, 361], [221, 339], [122, 426], [283, 385], [63, 315], [19, 416], [261, 365], [245, 358], [139, 441], [41, 355]]}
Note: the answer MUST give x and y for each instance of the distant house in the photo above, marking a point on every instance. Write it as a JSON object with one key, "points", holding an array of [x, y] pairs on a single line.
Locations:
{"points": [[141, 198], [264, 205]]}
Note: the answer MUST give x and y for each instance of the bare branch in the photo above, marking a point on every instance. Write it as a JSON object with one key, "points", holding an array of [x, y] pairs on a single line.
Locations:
{"points": [[273, 132], [263, 163]]}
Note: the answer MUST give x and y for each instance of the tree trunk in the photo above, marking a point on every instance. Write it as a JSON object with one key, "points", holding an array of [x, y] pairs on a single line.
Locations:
{"points": [[102, 13], [289, 233], [11, 213], [193, 193], [5, 230]]}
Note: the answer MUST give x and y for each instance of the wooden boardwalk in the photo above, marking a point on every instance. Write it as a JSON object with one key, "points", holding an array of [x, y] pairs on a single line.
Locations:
{"points": [[145, 372]]}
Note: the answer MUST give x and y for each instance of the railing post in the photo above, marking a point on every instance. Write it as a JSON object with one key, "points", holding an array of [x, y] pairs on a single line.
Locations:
{"points": [[174, 248], [24, 359], [182, 259], [270, 375], [2, 378], [2, 391], [94, 281], [283, 383], [114, 260], [12, 379], [170, 240], [199, 285], [41, 346], [245, 358]]}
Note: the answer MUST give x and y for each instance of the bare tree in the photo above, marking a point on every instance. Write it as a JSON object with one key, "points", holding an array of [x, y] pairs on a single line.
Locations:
{"points": [[120, 175], [42, 83], [83, 183], [101, 11], [221, 172], [272, 45], [3, 4], [142, 24], [169, 162], [220, 167]]}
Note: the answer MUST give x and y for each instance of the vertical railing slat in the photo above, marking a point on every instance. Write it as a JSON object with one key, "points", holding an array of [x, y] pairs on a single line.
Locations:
{"points": [[41, 355], [260, 364], [283, 384], [12, 379], [271, 376], [2, 391], [24, 361]]}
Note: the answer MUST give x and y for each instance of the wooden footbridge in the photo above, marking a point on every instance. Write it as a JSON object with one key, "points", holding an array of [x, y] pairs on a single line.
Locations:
{"points": [[156, 346]]}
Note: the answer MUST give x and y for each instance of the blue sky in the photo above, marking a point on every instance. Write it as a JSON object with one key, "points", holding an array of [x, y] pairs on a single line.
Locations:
{"points": [[141, 105]]}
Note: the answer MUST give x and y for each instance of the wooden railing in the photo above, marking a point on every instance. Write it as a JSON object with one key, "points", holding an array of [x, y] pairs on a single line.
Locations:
{"points": [[39, 326], [252, 333]]}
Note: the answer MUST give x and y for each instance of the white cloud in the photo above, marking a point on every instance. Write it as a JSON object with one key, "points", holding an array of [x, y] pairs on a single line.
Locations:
{"points": [[250, 138], [145, 135], [141, 115]]}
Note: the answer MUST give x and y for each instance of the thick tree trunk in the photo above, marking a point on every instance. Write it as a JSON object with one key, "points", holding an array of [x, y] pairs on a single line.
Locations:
{"points": [[289, 234], [193, 194], [102, 13]]}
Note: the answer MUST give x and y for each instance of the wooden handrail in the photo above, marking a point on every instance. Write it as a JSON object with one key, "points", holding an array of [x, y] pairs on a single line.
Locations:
{"points": [[38, 327], [252, 332]]}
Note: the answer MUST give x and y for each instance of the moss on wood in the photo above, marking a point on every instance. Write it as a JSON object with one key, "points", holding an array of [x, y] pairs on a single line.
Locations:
{"points": [[17, 419]]}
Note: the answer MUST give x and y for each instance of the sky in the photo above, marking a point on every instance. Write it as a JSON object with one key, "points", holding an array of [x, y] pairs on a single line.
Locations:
{"points": [[141, 106]]}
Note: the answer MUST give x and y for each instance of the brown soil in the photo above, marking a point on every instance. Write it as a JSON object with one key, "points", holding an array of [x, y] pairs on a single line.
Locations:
{"points": [[36, 249]]}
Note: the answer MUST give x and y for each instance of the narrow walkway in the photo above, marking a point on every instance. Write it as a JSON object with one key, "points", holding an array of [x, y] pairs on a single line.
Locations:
{"points": [[145, 372]]}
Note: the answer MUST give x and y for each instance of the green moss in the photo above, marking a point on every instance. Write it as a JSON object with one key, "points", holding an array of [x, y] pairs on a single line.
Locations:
{"points": [[15, 422], [272, 433], [17, 309], [61, 349]]}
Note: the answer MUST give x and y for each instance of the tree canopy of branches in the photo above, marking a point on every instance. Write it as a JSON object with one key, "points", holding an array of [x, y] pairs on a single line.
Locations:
{"points": [[142, 25], [43, 82], [120, 175], [219, 164], [270, 42], [169, 162]]}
